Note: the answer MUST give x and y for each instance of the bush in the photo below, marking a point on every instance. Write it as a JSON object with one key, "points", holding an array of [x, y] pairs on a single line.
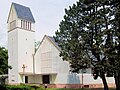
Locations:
{"points": [[37, 87], [3, 87], [20, 87]]}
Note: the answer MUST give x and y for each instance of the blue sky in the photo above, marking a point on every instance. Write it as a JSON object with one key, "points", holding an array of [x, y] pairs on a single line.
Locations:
{"points": [[47, 14]]}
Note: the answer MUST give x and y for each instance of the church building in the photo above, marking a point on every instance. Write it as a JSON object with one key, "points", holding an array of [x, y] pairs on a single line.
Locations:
{"points": [[43, 66]]}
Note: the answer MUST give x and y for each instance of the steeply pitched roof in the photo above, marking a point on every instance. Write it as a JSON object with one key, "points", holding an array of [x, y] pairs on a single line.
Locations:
{"points": [[23, 12], [53, 40]]}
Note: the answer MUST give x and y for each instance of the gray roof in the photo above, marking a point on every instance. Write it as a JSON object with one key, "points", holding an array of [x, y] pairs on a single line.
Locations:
{"points": [[53, 40], [24, 12]]}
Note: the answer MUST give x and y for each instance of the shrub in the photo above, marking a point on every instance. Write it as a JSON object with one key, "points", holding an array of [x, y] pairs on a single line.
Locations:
{"points": [[37, 87], [3, 87], [18, 87]]}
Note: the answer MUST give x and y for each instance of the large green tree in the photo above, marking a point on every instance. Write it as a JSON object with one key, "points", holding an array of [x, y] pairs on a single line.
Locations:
{"points": [[89, 37], [4, 61], [113, 53]]}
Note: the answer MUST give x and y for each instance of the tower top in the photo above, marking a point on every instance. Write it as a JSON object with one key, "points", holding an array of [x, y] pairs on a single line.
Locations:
{"points": [[23, 12]]}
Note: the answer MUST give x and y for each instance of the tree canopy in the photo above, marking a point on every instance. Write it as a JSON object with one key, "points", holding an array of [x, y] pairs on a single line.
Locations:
{"points": [[89, 36], [4, 61]]}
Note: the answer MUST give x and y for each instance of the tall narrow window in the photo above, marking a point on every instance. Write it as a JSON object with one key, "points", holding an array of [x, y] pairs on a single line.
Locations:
{"points": [[24, 24], [21, 23], [28, 26]]}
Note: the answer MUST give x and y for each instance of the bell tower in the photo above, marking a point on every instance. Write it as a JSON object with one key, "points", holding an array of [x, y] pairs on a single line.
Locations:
{"points": [[20, 43]]}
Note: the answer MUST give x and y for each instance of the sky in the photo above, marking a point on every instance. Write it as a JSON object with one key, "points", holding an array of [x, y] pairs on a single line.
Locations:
{"points": [[47, 13]]}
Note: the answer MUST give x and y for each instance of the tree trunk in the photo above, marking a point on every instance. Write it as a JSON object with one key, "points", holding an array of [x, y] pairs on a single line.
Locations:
{"points": [[104, 81], [117, 80]]}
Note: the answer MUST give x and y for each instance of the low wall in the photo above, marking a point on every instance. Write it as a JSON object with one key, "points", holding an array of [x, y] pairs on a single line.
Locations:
{"points": [[64, 86], [111, 85], [79, 86]]}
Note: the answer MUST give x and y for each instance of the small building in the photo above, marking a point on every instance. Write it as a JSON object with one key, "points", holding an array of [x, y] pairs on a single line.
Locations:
{"points": [[44, 66]]}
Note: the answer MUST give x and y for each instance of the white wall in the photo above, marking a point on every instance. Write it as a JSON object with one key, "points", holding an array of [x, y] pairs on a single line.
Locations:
{"points": [[13, 55], [25, 50], [42, 58], [47, 61], [12, 48], [20, 48], [12, 16]]}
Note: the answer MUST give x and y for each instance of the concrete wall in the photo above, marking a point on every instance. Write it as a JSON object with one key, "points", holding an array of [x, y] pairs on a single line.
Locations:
{"points": [[13, 47], [20, 48], [12, 16], [47, 61], [25, 50]]}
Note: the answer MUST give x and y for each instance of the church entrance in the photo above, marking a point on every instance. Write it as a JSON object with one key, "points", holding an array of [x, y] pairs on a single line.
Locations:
{"points": [[46, 79], [26, 79]]}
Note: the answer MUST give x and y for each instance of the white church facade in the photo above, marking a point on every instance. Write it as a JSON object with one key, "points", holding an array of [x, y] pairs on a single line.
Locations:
{"points": [[43, 66]]}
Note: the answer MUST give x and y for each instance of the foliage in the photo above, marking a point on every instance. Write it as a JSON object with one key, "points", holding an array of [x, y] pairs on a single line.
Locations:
{"points": [[4, 61], [89, 36], [20, 87], [37, 44]]}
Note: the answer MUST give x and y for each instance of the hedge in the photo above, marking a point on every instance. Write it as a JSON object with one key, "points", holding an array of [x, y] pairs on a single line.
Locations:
{"points": [[20, 87]]}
